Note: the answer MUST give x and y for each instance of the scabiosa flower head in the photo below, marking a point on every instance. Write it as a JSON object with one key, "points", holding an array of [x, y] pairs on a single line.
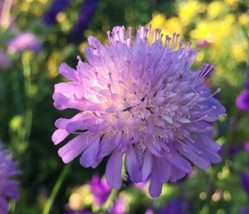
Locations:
{"points": [[242, 101], [138, 99], [25, 41], [8, 185]]}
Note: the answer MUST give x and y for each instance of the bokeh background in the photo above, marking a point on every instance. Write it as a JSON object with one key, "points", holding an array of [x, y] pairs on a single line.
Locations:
{"points": [[36, 36]]}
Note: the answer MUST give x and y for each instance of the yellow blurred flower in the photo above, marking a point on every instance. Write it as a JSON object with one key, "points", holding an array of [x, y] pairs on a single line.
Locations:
{"points": [[25, 7], [213, 31], [60, 17], [82, 46], [188, 10], [81, 197], [63, 21], [158, 20], [52, 64], [167, 26], [223, 74], [173, 25], [202, 31], [200, 56], [43, 1], [16, 122], [239, 51], [229, 19], [244, 19], [215, 9], [233, 3]]}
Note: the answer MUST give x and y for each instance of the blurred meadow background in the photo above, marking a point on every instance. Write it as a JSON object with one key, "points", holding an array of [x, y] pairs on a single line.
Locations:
{"points": [[36, 36]]}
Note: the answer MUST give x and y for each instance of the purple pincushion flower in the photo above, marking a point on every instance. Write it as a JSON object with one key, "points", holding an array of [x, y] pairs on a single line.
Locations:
{"points": [[137, 98], [8, 185], [25, 41], [242, 101]]}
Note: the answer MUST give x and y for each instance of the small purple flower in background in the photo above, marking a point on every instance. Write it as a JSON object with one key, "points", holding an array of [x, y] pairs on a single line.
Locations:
{"points": [[244, 179], [8, 185], [57, 6], [246, 146], [24, 41], [94, 192], [77, 212], [118, 207], [242, 101], [149, 211], [173, 207], [86, 13], [137, 98], [4, 60], [202, 43], [244, 210], [100, 190]]}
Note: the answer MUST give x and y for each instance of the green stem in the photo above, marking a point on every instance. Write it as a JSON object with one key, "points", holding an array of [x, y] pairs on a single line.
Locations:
{"points": [[56, 189], [28, 114], [110, 199], [16, 88]]}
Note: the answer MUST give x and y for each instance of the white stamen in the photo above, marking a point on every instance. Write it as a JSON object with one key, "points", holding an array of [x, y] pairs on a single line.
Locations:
{"points": [[203, 117], [193, 100], [216, 92]]}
